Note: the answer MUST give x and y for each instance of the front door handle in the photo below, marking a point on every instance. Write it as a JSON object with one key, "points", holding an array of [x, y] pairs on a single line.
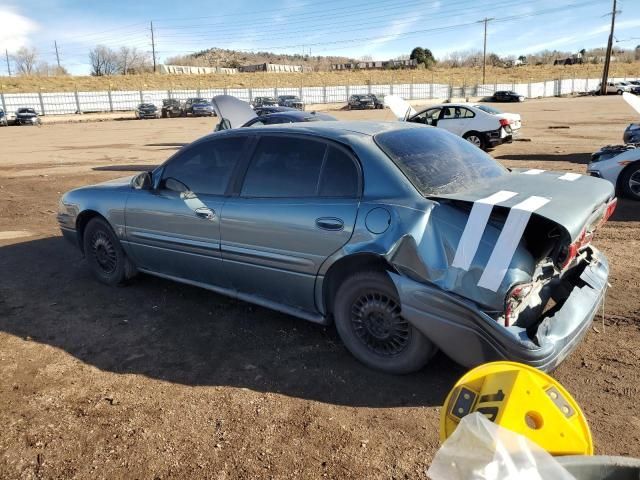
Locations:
{"points": [[206, 213], [330, 223]]}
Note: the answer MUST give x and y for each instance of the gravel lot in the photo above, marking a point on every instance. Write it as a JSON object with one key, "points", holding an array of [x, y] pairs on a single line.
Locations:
{"points": [[161, 380]]}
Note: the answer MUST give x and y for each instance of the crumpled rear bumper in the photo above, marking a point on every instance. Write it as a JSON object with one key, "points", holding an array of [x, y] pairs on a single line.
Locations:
{"points": [[470, 337]]}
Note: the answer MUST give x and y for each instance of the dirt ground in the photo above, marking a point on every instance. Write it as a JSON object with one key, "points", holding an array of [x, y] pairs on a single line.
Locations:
{"points": [[161, 380]]}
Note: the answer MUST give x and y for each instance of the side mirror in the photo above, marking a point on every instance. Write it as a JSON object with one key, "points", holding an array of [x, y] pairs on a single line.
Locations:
{"points": [[142, 181]]}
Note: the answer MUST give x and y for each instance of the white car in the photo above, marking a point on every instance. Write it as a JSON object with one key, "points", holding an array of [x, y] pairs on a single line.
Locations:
{"points": [[620, 164], [484, 126], [616, 87]]}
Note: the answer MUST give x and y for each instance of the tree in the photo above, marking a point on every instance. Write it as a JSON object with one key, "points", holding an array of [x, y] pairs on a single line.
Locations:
{"points": [[25, 60], [423, 56], [494, 60], [132, 60], [104, 61], [522, 58]]}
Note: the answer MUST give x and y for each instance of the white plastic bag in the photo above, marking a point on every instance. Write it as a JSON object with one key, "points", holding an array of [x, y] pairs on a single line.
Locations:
{"points": [[482, 450]]}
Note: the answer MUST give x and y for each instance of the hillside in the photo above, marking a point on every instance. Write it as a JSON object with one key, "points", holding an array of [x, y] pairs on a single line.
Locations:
{"points": [[455, 76]]}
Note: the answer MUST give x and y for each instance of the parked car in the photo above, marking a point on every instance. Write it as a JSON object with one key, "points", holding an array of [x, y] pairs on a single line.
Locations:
{"points": [[620, 165], [272, 109], [291, 101], [407, 237], [379, 104], [360, 102], [614, 88], [484, 126], [171, 107], [507, 96], [235, 113], [146, 110], [26, 116], [4, 122], [264, 102], [632, 133], [198, 107]]}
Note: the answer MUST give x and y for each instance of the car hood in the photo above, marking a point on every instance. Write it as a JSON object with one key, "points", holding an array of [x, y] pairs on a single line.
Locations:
{"points": [[26, 114], [400, 107], [574, 201], [233, 112]]}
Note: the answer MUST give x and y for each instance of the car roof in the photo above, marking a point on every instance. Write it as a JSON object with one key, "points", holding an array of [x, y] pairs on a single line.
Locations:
{"points": [[293, 113]]}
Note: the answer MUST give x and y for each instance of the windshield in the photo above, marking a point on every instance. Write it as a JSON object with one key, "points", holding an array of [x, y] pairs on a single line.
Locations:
{"points": [[488, 109], [289, 97], [200, 100], [147, 105], [26, 110], [437, 162]]}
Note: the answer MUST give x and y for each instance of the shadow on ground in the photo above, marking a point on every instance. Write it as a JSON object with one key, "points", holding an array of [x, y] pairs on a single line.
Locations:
{"points": [[191, 336], [581, 158], [125, 168]]}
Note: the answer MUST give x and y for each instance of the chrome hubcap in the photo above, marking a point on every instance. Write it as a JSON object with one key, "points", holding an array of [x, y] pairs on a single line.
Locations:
{"points": [[377, 322], [475, 140]]}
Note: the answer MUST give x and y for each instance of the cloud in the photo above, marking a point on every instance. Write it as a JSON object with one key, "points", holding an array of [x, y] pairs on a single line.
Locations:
{"points": [[15, 30], [396, 28]]}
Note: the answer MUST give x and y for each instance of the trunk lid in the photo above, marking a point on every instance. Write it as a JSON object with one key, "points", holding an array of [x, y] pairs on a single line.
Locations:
{"points": [[575, 201], [232, 112], [400, 107]]}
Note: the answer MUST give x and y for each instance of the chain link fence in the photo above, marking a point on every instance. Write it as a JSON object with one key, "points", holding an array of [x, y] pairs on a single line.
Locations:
{"points": [[116, 101]]}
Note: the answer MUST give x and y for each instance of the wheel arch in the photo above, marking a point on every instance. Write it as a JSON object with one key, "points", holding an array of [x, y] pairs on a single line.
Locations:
{"points": [[619, 186], [343, 268], [82, 221]]}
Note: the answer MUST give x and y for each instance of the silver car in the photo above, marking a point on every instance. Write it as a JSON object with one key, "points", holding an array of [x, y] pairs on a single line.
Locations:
{"points": [[407, 237]]}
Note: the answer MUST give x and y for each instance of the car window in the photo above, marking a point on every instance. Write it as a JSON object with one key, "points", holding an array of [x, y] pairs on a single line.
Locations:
{"points": [[466, 113], [205, 168], [437, 162], [427, 117], [275, 120], [452, 113], [339, 175], [284, 167], [488, 109]]}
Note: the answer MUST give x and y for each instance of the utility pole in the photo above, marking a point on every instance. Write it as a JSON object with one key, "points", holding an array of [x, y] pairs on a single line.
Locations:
{"points": [[153, 48], [6, 52], [55, 43], [485, 20], [607, 60]]}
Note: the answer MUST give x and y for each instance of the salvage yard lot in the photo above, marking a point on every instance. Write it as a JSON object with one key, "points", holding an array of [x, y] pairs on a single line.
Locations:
{"points": [[160, 380]]}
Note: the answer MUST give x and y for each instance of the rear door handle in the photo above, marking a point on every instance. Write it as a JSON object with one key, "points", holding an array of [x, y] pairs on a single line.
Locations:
{"points": [[206, 213], [330, 223]]}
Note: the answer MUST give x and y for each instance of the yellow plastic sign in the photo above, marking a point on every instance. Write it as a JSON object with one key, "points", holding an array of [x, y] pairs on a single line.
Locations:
{"points": [[524, 400]]}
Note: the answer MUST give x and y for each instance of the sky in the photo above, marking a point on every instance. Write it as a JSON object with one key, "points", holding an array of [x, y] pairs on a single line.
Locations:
{"points": [[381, 29]]}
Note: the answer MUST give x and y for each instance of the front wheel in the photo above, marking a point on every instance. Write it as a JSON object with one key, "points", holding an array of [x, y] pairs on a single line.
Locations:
{"points": [[630, 182], [475, 138], [369, 321], [106, 258]]}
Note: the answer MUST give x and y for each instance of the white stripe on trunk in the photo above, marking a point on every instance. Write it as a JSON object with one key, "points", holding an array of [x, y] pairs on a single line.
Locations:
{"points": [[570, 177], [508, 241], [476, 224]]}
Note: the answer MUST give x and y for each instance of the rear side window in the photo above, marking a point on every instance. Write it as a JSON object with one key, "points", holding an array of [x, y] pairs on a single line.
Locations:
{"points": [[206, 168], [284, 167]]}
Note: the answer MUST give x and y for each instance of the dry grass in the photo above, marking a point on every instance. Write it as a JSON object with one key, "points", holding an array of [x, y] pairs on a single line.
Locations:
{"points": [[455, 76]]}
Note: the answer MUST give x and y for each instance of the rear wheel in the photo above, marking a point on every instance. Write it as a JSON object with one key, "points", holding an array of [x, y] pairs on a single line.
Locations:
{"points": [[106, 258], [370, 323], [475, 138], [630, 181]]}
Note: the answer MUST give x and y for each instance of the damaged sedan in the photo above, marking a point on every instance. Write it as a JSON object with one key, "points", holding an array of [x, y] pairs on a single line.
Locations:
{"points": [[409, 238]]}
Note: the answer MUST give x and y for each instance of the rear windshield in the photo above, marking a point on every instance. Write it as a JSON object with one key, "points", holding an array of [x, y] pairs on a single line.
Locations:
{"points": [[437, 162], [488, 109]]}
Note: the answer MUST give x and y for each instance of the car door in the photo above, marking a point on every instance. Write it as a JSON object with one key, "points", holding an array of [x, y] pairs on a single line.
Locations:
{"points": [[454, 119], [174, 228], [428, 117], [297, 205]]}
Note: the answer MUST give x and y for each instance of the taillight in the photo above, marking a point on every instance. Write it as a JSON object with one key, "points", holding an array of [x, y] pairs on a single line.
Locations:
{"points": [[514, 299], [611, 207], [505, 122]]}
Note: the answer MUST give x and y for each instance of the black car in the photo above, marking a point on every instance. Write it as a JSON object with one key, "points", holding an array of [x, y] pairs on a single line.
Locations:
{"points": [[292, 101], [171, 108], [146, 110], [507, 96], [3, 118], [264, 102], [27, 116], [272, 109], [360, 102], [379, 104], [198, 107], [632, 133]]}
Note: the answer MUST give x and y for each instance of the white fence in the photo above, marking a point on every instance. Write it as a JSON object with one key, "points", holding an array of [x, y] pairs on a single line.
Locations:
{"points": [[113, 101]]}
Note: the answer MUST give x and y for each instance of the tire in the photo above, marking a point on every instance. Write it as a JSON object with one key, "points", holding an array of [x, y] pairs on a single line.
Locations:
{"points": [[476, 139], [164, 114], [630, 181], [105, 256], [367, 316], [620, 92]]}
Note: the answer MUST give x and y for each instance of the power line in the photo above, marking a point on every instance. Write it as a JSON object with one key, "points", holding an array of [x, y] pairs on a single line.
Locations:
{"points": [[484, 50], [6, 52], [607, 60], [153, 48], [55, 43]]}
